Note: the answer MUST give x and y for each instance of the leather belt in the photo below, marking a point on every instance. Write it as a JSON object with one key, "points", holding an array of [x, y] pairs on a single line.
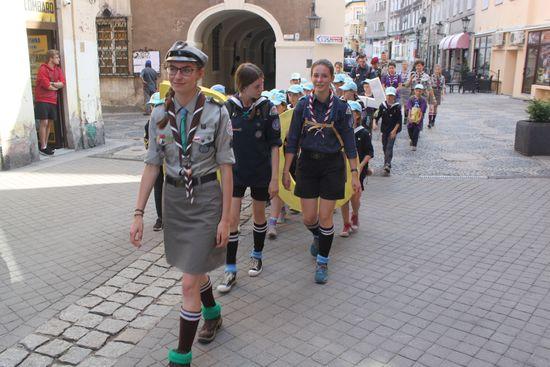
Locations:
{"points": [[180, 182], [318, 155]]}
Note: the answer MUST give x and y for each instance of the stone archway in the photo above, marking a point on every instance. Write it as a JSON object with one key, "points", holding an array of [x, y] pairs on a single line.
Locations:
{"points": [[236, 29]]}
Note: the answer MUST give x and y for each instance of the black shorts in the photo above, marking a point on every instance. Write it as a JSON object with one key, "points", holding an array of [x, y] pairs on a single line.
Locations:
{"points": [[45, 111], [257, 193], [321, 176]]}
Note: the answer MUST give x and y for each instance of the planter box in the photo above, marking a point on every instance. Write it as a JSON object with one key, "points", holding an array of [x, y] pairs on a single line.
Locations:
{"points": [[532, 138]]}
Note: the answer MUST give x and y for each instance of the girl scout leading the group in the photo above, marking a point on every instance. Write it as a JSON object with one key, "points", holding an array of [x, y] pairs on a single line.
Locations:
{"points": [[321, 126], [193, 135], [257, 138]]}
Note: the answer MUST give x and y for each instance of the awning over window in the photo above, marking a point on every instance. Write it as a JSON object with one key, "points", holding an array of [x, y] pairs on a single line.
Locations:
{"points": [[459, 40]]}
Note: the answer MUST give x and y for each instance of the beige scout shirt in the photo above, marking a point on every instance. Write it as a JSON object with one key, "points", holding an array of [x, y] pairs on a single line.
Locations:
{"points": [[212, 144]]}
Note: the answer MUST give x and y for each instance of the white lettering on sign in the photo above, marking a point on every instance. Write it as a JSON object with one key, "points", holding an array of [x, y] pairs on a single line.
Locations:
{"points": [[329, 39]]}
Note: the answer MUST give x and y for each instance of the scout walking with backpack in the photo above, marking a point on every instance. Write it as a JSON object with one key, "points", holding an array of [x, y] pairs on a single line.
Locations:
{"points": [[192, 134], [321, 126], [416, 109], [418, 76], [277, 208], [365, 151], [438, 85], [390, 119], [256, 142]]}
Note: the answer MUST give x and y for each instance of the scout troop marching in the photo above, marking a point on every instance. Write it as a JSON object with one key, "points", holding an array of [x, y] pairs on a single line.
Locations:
{"points": [[191, 137]]}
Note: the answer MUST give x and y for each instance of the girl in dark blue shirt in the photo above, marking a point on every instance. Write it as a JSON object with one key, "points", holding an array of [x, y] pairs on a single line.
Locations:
{"points": [[321, 127]]}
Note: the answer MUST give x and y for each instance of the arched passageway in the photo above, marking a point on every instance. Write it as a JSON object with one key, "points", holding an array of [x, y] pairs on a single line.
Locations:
{"points": [[231, 37]]}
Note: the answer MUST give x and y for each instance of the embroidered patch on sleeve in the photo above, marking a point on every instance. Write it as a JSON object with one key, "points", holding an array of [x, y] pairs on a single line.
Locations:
{"points": [[276, 125]]}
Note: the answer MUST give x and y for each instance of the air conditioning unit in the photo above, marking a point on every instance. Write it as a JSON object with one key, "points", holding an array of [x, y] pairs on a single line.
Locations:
{"points": [[498, 39], [517, 38]]}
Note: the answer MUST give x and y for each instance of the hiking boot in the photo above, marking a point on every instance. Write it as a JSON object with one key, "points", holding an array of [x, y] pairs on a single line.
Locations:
{"points": [[314, 248], [321, 273], [209, 330], [346, 231], [413, 148], [255, 267], [271, 232], [228, 282], [387, 168], [158, 225], [354, 221]]}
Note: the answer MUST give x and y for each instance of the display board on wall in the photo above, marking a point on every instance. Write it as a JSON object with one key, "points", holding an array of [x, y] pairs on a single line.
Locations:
{"points": [[38, 49], [140, 57]]}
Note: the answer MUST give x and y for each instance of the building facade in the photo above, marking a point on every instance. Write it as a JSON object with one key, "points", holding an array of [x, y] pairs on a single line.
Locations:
{"points": [[281, 37], [354, 25], [33, 28], [376, 30], [512, 40], [404, 20], [446, 38]]}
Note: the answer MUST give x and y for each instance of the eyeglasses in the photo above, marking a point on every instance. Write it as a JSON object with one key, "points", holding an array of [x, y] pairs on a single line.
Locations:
{"points": [[186, 70]]}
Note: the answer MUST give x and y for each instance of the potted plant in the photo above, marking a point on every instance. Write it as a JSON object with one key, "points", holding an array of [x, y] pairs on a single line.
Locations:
{"points": [[533, 135]]}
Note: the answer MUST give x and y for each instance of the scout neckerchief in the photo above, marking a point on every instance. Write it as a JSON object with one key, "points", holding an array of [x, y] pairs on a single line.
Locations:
{"points": [[391, 80], [313, 125], [185, 153]]}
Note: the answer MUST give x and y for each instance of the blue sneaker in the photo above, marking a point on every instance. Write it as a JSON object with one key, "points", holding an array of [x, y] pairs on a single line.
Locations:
{"points": [[314, 248], [321, 273]]}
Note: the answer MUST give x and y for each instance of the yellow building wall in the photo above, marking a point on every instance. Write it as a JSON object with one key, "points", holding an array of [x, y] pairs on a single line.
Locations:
{"points": [[510, 60]]}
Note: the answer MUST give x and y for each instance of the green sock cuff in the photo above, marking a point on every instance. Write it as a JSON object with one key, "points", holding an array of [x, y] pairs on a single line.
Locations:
{"points": [[179, 358], [211, 313]]}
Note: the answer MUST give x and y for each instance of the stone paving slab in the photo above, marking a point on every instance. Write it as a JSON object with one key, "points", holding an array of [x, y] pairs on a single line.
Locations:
{"points": [[446, 271], [449, 272], [64, 232]]}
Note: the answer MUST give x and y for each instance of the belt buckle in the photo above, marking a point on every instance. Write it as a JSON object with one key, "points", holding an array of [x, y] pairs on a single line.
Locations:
{"points": [[316, 155]]}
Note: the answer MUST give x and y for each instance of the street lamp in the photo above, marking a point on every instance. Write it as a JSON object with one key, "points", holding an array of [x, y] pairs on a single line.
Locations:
{"points": [[314, 19], [465, 21], [439, 26]]}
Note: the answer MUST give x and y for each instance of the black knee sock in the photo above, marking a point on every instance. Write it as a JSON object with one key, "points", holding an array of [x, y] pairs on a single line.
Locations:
{"points": [[231, 257], [314, 229], [325, 240], [433, 119], [259, 231], [207, 297], [189, 321]]}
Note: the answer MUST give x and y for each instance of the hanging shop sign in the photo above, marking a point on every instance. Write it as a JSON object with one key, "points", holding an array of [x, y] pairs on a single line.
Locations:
{"points": [[40, 10]]}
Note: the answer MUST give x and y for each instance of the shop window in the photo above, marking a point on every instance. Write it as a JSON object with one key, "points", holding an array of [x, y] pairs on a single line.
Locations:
{"points": [[537, 61], [484, 4], [483, 47], [112, 46]]}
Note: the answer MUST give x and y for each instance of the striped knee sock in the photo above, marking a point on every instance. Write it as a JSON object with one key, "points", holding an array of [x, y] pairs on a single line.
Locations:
{"points": [[231, 257], [325, 240], [259, 231], [314, 229], [207, 296], [189, 321]]}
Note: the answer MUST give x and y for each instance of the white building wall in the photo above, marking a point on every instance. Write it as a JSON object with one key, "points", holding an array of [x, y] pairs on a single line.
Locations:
{"points": [[17, 129], [77, 32]]}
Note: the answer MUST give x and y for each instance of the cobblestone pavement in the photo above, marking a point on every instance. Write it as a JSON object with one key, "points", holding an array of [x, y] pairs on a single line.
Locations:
{"points": [[446, 271]]}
